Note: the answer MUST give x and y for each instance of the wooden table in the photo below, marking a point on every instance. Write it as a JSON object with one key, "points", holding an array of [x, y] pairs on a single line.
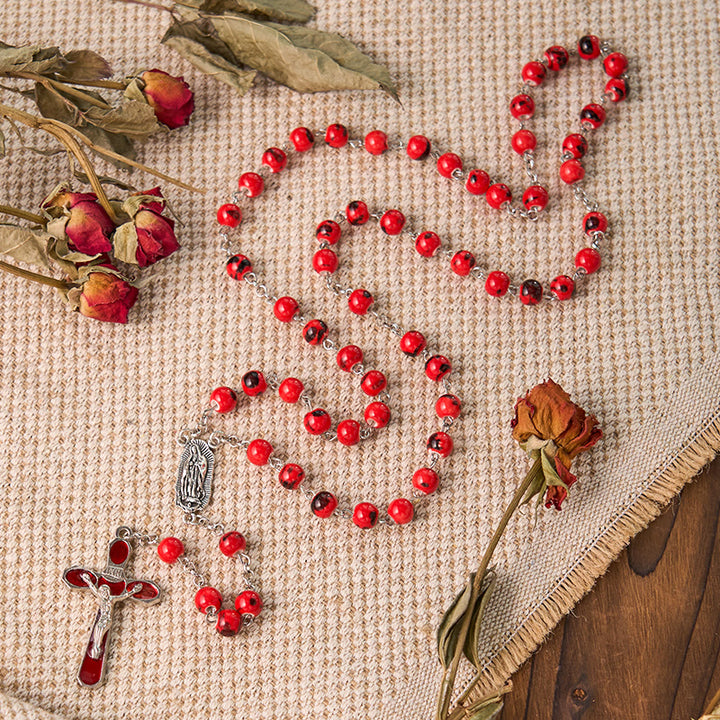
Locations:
{"points": [[644, 644]]}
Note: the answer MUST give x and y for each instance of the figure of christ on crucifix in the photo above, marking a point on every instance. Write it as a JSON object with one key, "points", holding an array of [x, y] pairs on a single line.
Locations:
{"points": [[110, 587]]}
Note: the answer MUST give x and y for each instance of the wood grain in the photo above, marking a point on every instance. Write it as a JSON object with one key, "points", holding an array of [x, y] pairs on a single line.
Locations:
{"points": [[645, 643]]}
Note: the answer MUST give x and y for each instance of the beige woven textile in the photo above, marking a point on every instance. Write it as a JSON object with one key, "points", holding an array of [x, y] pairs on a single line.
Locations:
{"points": [[89, 411]]}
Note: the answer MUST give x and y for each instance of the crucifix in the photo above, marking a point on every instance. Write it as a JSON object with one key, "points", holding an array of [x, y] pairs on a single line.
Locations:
{"points": [[109, 587]]}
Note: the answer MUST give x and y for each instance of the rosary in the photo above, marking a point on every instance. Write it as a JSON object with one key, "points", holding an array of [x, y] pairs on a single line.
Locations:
{"points": [[194, 484]]}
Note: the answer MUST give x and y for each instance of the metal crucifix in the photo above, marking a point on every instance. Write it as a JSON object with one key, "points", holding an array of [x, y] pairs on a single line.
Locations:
{"points": [[110, 587]]}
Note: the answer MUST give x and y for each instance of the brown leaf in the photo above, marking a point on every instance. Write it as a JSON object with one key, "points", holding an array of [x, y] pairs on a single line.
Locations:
{"points": [[210, 63], [52, 104], [447, 632], [111, 141], [471, 641], [284, 10], [25, 245], [30, 58], [84, 66]]}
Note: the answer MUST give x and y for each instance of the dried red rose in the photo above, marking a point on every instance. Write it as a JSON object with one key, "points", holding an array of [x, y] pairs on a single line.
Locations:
{"points": [[88, 227], [105, 295], [170, 97], [547, 423]]}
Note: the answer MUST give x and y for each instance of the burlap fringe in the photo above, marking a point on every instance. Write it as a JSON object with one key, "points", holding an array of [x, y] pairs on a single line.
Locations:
{"points": [[670, 480]]}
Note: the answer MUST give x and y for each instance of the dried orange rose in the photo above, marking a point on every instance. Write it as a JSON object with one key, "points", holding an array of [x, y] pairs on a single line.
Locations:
{"points": [[170, 97], [549, 426], [105, 295]]}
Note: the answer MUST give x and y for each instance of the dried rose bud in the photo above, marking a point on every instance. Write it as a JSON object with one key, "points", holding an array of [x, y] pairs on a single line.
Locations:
{"points": [[170, 97], [149, 236], [104, 294], [547, 424], [87, 226]]}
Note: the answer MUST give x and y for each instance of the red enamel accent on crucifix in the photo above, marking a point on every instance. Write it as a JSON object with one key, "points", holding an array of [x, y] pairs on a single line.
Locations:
{"points": [[109, 586]]}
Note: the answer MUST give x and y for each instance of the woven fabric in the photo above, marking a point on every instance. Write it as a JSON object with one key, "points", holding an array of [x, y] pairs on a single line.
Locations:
{"points": [[90, 411]]}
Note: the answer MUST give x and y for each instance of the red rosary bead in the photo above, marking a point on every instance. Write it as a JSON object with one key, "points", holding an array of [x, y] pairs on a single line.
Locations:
{"points": [[588, 47], [317, 421], [377, 415], [275, 159], [365, 515], [229, 215], [251, 183], [531, 292], [291, 476], [575, 145], [170, 549], [412, 343], [232, 543], [536, 196], [440, 443], [617, 89], [425, 480], [254, 383], [229, 622], [462, 263], [360, 301], [328, 231], [418, 147], [392, 222], [325, 260], [302, 139], [478, 181], [348, 357], [357, 213], [594, 222], [437, 367], [248, 602], [615, 64], [572, 171], [285, 308], [533, 73], [336, 135], [225, 399], [427, 243], [448, 163], [497, 195], [401, 511], [497, 283], [324, 504], [588, 258], [315, 332], [348, 432], [373, 383], [207, 597], [557, 57], [259, 451], [290, 390], [376, 142], [238, 266], [592, 115], [448, 406], [562, 287], [523, 140], [522, 107]]}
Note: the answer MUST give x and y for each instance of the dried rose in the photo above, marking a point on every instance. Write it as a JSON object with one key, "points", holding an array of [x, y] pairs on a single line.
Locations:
{"points": [[104, 294], [86, 224], [149, 236], [170, 97], [550, 427]]}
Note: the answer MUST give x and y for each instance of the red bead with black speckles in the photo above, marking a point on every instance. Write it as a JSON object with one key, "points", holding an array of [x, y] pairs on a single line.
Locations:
{"points": [[440, 443], [425, 480], [572, 171], [418, 147], [357, 212], [401, 511], [324, 504], [328, 231], [392, 222], [536, 196], [594, 222], [575, 145], [225, 398], [377, 415], [615, 64], [248, 602], [348, 357], [285, 308], [373, 383], [462, 263], [231, 543], [229, 215], [448, 406], [325, 261], [412, 343], [448, 163], [238, 266], [478, 181], [437, 367], [588, 47], [336, 135], [427, 243], [207, 597], [254, 383], [592, 115], [229, 622], [317, 421], [376, 142], [251, 183], [617, 89], [365, 515], [522, 107], [290, 390], [531, 292], [291, 476], [360, 301], [348, 432], [275, 159], [557, 57], [302, 138], [315, 332], [497, 283], [497, 195], [533, 73], [562, 287]]}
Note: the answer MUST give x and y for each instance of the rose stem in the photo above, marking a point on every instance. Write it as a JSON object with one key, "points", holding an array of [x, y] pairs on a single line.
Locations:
{"points": [[712, 704], [35, 277], [62, 87], [144, 3], [16, 212], [448, 681]]}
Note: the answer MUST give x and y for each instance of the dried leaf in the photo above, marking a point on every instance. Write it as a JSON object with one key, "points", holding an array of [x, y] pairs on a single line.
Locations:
{"points": [[30, 59], [133, 119], [304, 59], [105, 180], [485, 710], [2, 144], [25, 245], [471, 641], [448, 629], [132, 204], [84, 66], [53, 104], [284, 10], [180, 37], [125, 242]]}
